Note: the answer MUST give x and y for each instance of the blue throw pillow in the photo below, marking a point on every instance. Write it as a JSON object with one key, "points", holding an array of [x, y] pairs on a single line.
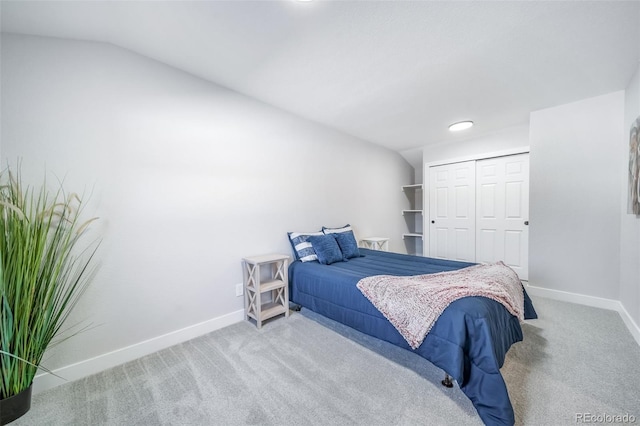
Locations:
{"points": [[302, 248], [326, 248], [348, 244], [346, 240]]}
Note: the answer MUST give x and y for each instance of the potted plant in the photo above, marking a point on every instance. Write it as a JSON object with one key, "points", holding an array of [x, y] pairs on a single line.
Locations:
{"points": [[43, 273]]}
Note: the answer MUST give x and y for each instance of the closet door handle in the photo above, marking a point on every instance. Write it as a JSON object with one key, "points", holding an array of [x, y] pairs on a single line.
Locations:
{"points": [[526, 222], [433, 221]]}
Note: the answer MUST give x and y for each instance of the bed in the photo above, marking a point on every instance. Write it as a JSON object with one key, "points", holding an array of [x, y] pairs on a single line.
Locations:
{"points": [[469, 340]]}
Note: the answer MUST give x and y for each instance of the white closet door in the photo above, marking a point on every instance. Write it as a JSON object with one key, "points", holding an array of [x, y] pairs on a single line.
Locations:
{"points": [[502, 212], [452, 211]]}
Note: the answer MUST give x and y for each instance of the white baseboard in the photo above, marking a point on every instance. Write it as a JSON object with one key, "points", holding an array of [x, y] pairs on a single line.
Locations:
{"points": [[94, 365], [630, 323], [596, 302]]}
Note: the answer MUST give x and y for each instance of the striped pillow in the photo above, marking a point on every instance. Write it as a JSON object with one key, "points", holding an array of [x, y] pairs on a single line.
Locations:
{"points": [[302, 248], [345, 228]]}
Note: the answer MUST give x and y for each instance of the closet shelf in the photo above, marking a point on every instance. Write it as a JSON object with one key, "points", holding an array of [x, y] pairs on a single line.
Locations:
{"points": [[413, 235], [413, 186]]}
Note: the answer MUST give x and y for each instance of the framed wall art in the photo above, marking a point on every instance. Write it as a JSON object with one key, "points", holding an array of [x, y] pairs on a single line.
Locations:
{"points": [[634, 169]]}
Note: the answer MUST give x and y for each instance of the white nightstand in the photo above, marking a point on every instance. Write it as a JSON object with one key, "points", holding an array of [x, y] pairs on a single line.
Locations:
{"points": [[375, 243], [255, 287]]}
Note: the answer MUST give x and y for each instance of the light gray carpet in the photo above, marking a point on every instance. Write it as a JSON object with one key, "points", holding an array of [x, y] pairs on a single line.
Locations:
{"points": [[309, 370]]}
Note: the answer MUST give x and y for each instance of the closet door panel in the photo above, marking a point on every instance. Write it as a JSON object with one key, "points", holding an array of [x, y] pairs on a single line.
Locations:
{"points": [[452, 211], [502, 186]]}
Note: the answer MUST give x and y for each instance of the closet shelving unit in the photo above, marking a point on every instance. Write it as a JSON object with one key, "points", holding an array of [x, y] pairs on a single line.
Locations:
{"points": [[414, 218]]}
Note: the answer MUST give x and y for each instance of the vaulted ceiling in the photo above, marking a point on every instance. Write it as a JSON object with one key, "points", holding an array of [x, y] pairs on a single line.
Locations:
{"points": [[395, 73]]}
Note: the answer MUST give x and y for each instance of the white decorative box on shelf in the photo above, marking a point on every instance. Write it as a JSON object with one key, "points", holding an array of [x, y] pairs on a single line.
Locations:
{"points": [[375, 243], [256, 287]]}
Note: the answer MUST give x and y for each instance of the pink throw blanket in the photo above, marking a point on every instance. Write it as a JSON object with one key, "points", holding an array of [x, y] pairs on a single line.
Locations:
{"points": [[413, 304]]}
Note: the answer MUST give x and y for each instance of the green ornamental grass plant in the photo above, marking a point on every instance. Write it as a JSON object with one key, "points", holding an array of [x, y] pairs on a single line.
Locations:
{"points": [[43, 273]]}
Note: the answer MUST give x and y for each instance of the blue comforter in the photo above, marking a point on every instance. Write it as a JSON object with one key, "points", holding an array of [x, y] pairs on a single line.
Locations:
{"points": [[469, 340]]}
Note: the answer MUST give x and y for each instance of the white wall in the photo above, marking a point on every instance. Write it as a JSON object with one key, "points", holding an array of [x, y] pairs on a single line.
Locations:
{"points": [[187, 177], [629, 224], [506, 139], [574, 243]]}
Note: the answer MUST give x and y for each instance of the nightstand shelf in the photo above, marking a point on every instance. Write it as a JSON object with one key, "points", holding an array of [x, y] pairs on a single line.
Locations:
{"points": [[269, 285], [256, 287], [271, 309]]}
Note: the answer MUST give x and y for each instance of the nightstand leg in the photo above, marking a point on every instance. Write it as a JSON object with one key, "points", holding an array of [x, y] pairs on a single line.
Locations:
{"points": [[258, 297]]}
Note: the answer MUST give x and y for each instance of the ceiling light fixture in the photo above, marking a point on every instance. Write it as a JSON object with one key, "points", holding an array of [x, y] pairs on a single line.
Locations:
{"points": [[461, 125]]}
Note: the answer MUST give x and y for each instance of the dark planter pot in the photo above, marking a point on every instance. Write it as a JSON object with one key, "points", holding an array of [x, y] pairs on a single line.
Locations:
{"points": [[15, 406]]}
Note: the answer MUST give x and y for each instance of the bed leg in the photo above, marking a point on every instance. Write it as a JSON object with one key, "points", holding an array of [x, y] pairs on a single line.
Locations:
{"points": [[448, 381]]}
